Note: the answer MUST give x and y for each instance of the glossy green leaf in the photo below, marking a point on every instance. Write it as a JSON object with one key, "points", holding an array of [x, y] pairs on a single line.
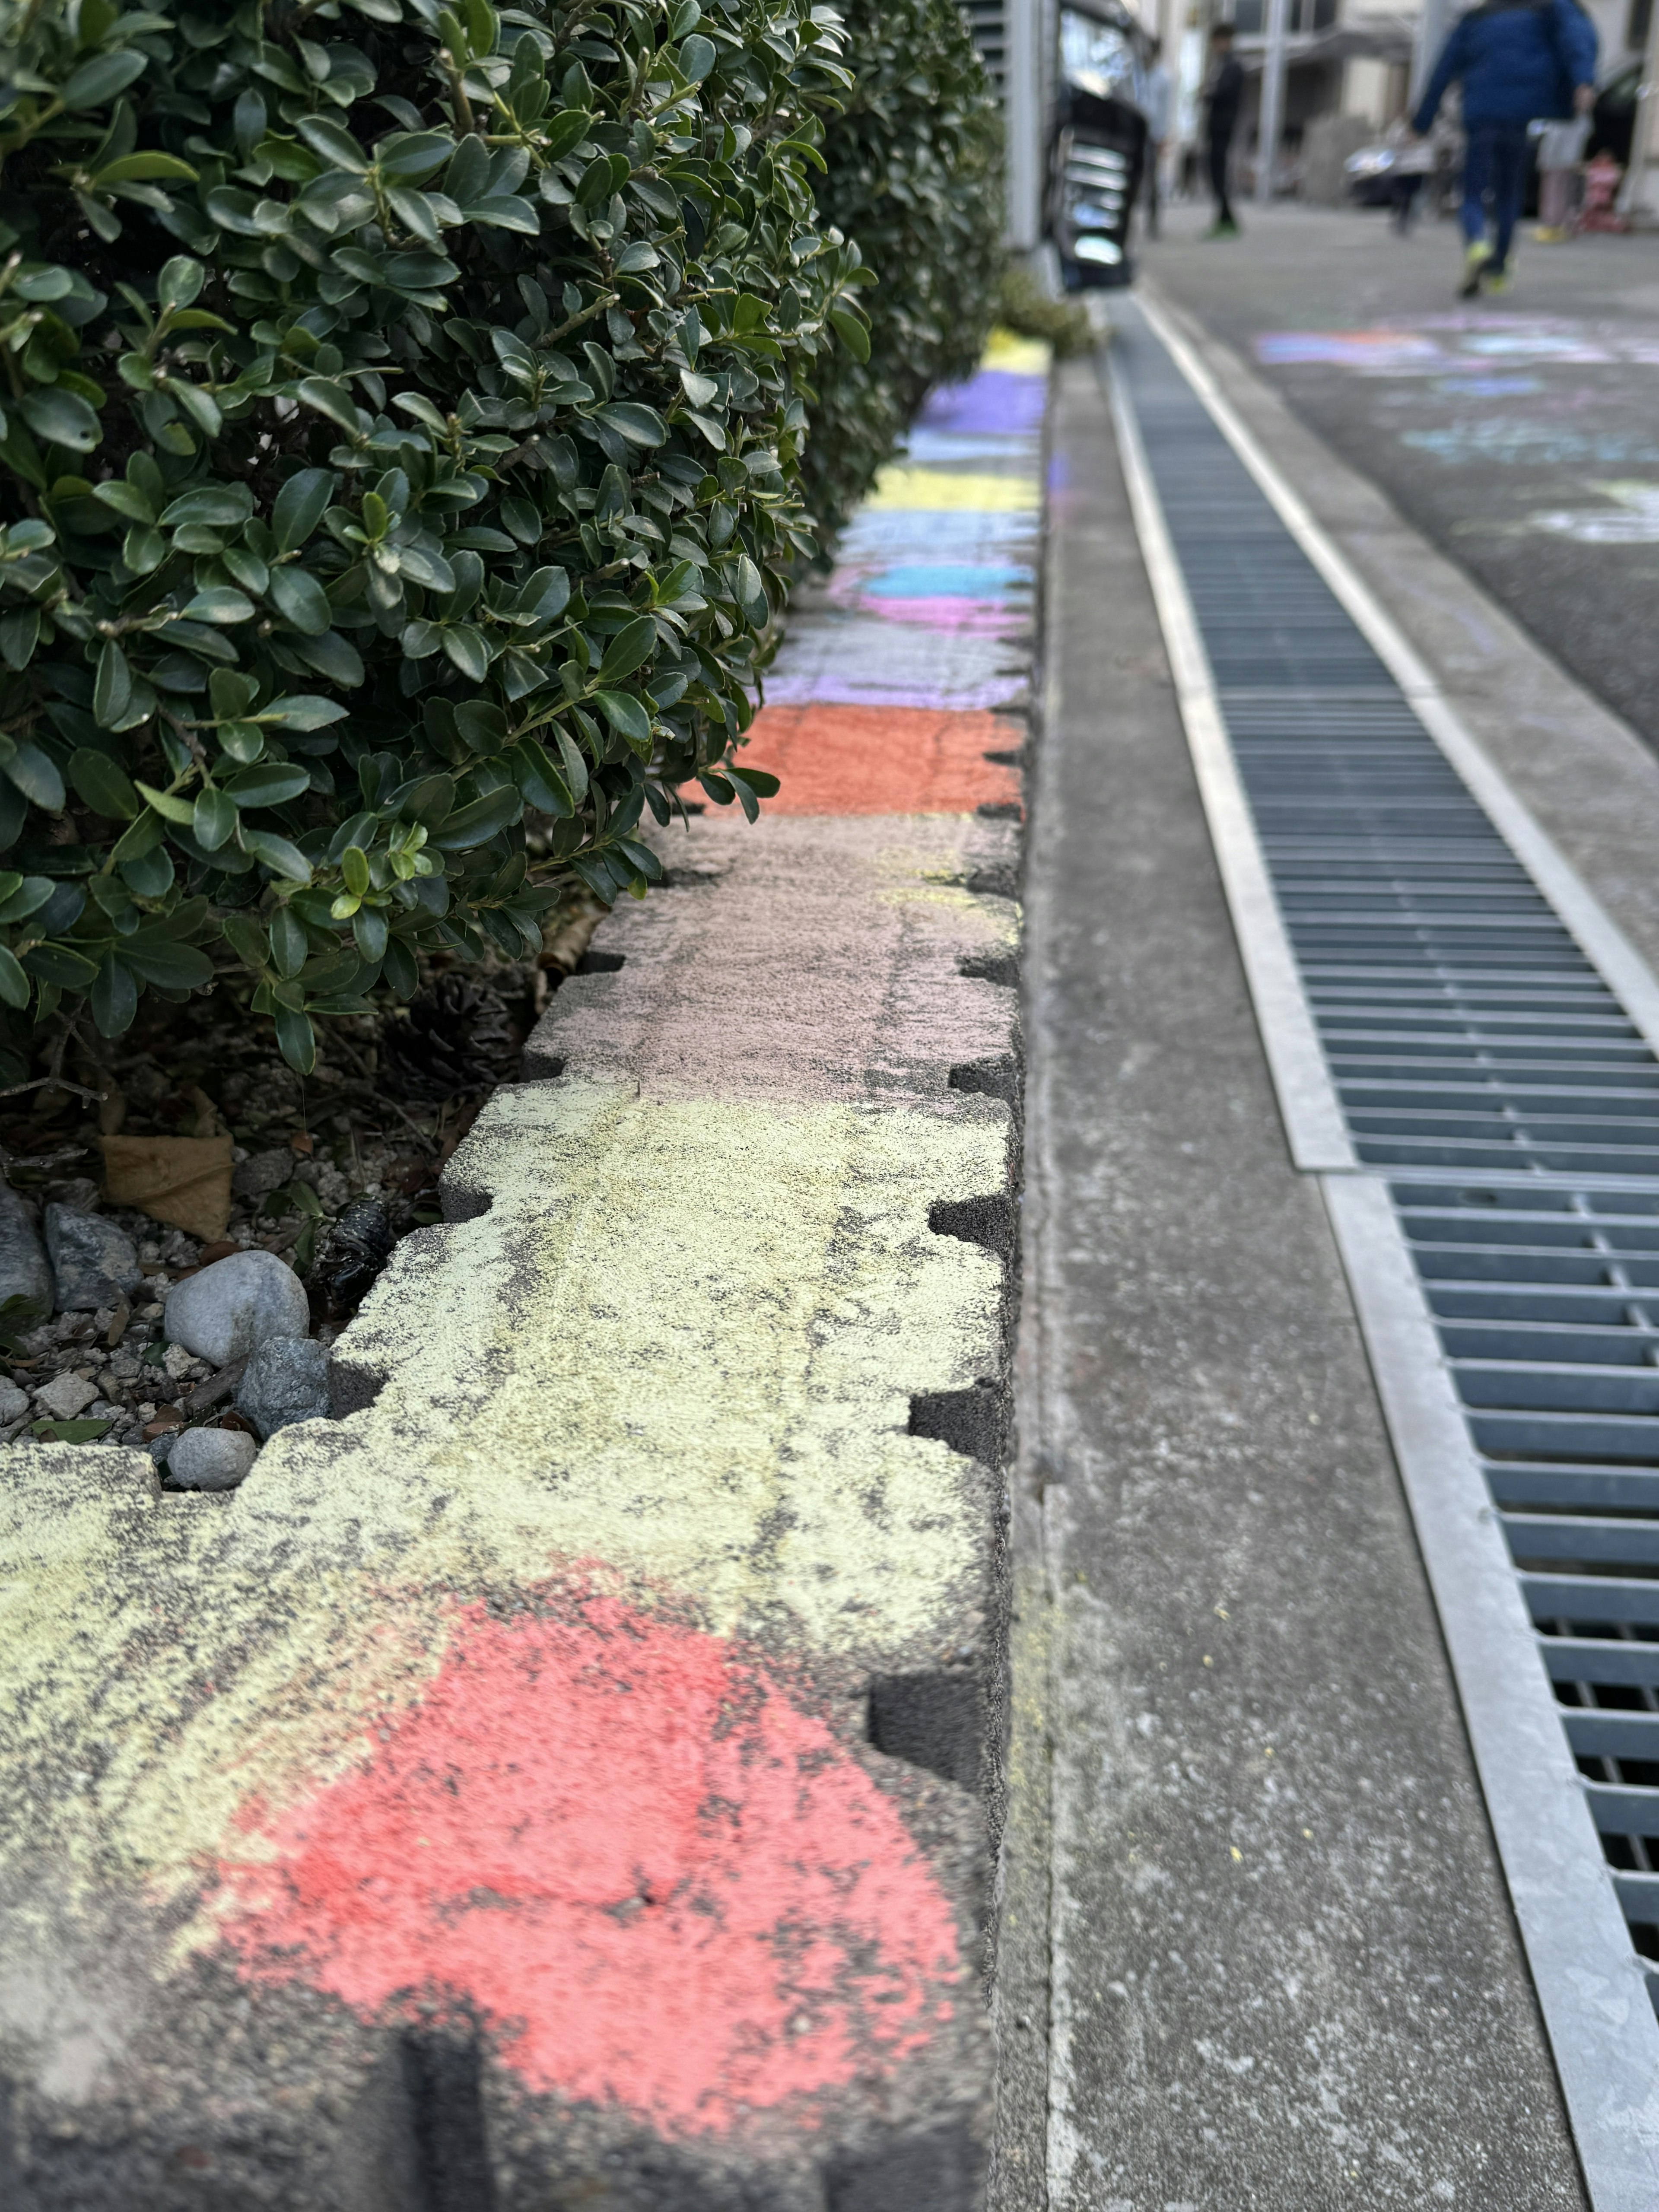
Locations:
{"points": [[161, 960], [277, 853], [217, 507], [213, 821], [473, 825], [466, 647], [113, 998], [299, 507], [332, 399], [13, 983], [295, 1039], [98, 81], [111, 690], [219, 605], [300, 600], [625, 713], [60, 964], [628, 650], [170, 805], [101, 784], [852, 331], [289, 946], [181, 279], [368, 928], [61, 418], [303, 710], [36, 776]]}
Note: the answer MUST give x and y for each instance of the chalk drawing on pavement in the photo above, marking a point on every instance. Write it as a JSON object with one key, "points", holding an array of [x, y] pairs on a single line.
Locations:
{"points": [[1515, 440], [1442, 345], [1633, 520], [1488, 387]]}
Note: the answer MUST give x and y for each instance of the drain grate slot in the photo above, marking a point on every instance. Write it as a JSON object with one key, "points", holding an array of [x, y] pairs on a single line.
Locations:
{"points": [[1500, 1102], [1547, 1306]]}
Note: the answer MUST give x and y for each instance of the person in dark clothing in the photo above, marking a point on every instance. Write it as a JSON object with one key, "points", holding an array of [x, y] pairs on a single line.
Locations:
{"points": [[1517, 60], [1222, 96]]}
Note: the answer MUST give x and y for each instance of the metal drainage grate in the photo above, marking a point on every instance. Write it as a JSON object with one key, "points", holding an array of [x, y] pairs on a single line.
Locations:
{"points": [[1462, 1025], [1546, 1303], [1481, 1060]]}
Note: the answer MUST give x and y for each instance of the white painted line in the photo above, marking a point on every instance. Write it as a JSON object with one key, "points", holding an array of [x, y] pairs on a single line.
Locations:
{"points": [[1591, 1985], [1314, 1120], [1622, 967]]}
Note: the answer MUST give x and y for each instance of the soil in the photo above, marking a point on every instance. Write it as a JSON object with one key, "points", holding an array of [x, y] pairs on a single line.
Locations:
{"points": [[369, 1123]]}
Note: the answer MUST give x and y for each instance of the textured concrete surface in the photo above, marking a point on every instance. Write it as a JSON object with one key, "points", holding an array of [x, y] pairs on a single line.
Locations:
{"points": [[1490, 635], [572, 1774], [1281, 1970]]}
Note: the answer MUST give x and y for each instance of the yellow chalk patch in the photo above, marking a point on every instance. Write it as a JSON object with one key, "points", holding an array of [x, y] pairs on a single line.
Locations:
{"points": [[1015, 355], [950, 491], [681, 1343]]}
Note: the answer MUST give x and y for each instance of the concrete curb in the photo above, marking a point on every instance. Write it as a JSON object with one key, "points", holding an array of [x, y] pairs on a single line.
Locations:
{"points": [[574, 1772]]}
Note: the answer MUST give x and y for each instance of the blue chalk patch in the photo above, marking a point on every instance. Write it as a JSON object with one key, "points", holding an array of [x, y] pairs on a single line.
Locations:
{"points": [[944, 580]]}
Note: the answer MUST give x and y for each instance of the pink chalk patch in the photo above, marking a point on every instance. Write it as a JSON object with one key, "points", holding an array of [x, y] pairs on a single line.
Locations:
{"points": [[958, 616], [660, 1884]]}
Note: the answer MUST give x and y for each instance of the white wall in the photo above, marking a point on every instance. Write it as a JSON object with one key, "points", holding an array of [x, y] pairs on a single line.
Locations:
{"points": [[1610, 18], [1365, 90]]}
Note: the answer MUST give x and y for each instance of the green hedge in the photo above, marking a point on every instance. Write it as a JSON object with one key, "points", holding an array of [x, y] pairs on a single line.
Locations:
{"points": [[398, 470], [912, 181]]}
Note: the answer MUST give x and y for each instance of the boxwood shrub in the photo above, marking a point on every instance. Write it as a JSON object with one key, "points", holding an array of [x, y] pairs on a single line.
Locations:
{"points": [[402, 421], [912, 178]]}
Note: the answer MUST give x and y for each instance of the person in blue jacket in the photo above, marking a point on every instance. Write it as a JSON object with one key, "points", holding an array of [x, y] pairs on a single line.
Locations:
{"points": [[1517, 60]]}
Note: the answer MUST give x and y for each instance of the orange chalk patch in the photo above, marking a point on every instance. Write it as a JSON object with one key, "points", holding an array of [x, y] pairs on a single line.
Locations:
{"points": [[883, 760]]}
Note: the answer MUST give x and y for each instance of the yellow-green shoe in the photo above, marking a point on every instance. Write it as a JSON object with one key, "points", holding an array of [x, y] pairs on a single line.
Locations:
{"points": [[1474, 260], [1501, 279]]}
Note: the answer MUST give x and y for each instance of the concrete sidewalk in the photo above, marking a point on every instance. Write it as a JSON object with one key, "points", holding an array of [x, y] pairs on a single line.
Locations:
{"points": [[1249, 1885]]}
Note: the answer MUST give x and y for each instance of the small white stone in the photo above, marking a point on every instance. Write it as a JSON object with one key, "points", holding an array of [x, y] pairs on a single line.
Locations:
{"points": [[236, 1304], [211, 1459], [64, 1397]]}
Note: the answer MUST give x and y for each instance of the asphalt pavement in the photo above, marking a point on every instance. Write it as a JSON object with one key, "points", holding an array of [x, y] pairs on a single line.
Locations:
{"points": [[1518, 434]]}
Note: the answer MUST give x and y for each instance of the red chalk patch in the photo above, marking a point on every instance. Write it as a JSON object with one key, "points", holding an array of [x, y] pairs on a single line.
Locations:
{"points": [[661, 1883], [883, 760]]}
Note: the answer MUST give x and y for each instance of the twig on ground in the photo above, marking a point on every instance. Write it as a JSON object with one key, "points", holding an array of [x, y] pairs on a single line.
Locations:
{"points": [[53, 1082]]}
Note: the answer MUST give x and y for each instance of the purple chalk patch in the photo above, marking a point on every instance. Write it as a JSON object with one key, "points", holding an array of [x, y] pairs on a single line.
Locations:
{"points": [[995, 399]]}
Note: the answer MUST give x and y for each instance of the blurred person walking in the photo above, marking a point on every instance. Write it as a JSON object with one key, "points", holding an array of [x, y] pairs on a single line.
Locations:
{"points": [[1515, 60], [1223, 95], [1158, 104]]}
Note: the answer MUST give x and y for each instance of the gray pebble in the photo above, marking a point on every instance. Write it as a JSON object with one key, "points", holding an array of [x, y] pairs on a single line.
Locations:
{"points": [[286, 1380], [94, 1264], [14, 1403], [261, 1173], [25, 1271], [236, 1304], [211, 1459], [65, 1398]]}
